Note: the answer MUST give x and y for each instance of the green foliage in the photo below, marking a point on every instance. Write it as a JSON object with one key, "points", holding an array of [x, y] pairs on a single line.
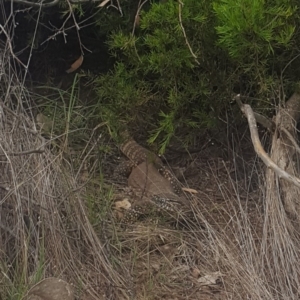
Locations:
{"points": [[157, 84], [63, 117], [110, 19], [14, 280], [254, 27]]}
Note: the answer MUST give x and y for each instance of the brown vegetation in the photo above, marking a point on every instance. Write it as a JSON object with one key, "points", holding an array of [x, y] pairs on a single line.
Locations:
{"points": [[241, 241]]}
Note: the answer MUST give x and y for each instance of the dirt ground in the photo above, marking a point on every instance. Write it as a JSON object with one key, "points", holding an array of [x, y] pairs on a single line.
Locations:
{"points": [[180, 260]]}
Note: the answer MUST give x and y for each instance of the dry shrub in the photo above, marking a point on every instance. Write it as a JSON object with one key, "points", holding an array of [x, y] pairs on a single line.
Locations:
{"points": [[45, 230]]}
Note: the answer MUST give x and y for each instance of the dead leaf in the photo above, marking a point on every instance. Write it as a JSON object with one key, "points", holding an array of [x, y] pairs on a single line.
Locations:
{"points": [[192, 191], [195, 272], [156, 267], [180, 269], [211, 279], [120, 206], [75, 65], [123, 204], [103, 3], [166, 250]]}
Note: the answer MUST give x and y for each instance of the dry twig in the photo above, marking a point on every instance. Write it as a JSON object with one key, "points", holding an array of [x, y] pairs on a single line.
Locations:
{"points": [[247, 110], [180, 5]]}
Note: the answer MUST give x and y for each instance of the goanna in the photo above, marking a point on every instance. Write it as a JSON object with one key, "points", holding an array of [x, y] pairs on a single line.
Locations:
{"points": [[155, 186]]}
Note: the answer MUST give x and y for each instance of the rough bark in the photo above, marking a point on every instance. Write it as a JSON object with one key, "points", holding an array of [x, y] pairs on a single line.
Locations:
{"points": [[284, 153]]}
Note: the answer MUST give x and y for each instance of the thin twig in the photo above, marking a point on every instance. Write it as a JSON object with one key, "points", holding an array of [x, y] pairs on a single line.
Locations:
{"points": [[268, 124], [23, 152], [76, 26], [120, 8], [32, 44], [137, 15], [49, 4], [10, 46], [264, 121], [180, 5]]}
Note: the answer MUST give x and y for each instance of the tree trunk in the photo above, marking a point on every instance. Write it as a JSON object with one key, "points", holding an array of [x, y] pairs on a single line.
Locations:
{"points": [[284, 154], [280, 242]]}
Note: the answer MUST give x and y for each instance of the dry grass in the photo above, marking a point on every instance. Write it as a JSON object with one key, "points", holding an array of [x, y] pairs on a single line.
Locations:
{"points": [[234, 244], [45, 230], [228, 237], [238, 237]]}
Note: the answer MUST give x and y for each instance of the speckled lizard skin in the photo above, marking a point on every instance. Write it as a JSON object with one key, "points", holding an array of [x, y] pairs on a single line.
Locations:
{"points": [[154, 185]]}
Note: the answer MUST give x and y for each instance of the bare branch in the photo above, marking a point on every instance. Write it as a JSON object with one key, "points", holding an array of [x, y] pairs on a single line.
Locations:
{"points": [[39, 151], [269, 124], [103, 3], [137, 15], [247, 110], [76, 26], [264, 121], [10, 46], [49, 4], [180, 5], [119, 8], [36, 4]]}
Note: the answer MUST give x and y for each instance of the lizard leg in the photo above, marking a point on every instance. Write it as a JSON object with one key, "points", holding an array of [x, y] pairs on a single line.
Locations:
{"points": [[132, 215], [146, 207], [163, 203], [165, 172], [123, 170], [135, 212]]}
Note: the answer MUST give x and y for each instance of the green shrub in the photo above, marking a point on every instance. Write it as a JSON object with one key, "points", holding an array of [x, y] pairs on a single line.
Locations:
{"points": [[252, 29], [157, 83], [159, 86]]}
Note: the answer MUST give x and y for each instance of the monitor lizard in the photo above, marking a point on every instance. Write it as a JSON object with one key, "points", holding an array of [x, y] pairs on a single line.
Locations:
{"points": [[154, 185]]}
